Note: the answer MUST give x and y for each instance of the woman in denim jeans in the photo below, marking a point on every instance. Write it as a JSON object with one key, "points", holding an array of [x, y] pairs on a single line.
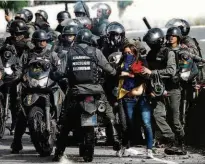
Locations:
{"points": [[132, 95]]}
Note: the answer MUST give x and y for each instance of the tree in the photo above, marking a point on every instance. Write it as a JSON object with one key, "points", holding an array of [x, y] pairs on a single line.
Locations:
{"points": [[13, 5], [122, 5]]}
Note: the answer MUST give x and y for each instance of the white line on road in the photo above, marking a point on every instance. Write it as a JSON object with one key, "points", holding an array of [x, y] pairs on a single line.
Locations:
{"points": [[164, 161], [202, 40]]}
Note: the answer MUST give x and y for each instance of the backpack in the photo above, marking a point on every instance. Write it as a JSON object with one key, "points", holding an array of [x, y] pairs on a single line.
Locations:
{"points": [[187, 69]]}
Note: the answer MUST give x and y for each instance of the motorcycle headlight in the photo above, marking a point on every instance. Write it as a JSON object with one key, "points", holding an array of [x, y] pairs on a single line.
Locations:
{"points": [[8, 70], [41, 82], [101, 107]]}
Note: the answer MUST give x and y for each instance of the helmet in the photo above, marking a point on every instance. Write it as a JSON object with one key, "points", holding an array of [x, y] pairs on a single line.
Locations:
{"points": [[115, 27], [43, 14], [28, 13], [73, 22], [18, 26], [85, 21], [70, 30], [40, 35], [175, 31], [182, 24], [63, 15], [84, 36], [154, 36], [116, 33], [81, 10], [104, 10], [53, 35], [21, 16]]}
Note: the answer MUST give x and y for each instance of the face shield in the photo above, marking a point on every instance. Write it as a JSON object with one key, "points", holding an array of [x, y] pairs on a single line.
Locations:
{"points": [[115, 38], [100, 10], [39, 18], [80, 14]]}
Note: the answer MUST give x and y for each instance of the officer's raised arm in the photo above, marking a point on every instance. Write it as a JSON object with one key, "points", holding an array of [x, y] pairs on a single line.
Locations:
{"points": [[104, 64]]}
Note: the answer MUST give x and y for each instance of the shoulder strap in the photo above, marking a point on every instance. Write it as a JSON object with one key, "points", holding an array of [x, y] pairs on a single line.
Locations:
{"points": [[176, 57]]}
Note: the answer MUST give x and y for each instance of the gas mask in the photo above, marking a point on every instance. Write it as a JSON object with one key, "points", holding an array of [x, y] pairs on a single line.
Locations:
{"points": [[17, 36]]}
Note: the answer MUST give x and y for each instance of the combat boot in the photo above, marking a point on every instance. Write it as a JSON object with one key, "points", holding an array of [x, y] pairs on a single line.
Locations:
{"points": [[182, 150], [16, 147], [58, 155], [116, 141], [171, 148]]}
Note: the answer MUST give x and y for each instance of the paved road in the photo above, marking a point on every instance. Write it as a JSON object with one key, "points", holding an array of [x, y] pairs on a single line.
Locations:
{"points": [[102, 155]]}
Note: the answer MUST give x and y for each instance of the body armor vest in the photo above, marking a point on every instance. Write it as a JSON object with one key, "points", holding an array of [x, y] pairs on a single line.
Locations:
{"points": [[82, 65]]}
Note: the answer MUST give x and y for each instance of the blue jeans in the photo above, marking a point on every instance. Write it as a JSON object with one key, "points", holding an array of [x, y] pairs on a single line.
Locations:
{"points": [[145, 110]]}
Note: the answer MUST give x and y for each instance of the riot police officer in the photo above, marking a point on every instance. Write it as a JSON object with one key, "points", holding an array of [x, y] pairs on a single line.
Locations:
{"points": [[101, 21], [18, 31], [162, 65], [23, 15], [87, 24], [174, 37], [17, 43], [61, 16], [83, 40], [81, 10], [41, 21], [26, 16], [28, 13], [114, 38], [67, 40], [30, 25], [39, 39]]}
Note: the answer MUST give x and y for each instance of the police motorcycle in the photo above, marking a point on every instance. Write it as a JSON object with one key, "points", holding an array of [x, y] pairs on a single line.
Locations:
{"points": [[93, 109], [10, 62], [39, 104]]}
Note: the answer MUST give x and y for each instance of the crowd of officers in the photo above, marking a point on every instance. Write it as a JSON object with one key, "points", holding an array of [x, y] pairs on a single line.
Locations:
{"points": [[142, 80]]}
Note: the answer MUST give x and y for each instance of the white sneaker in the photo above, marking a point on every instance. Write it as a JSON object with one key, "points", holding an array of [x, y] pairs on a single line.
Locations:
{"points": [[131, 152], [120, 152], [149, 154]]}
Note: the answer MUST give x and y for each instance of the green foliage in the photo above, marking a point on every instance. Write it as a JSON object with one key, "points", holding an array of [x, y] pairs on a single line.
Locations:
{"points": [[124, 4], [13, 5]]}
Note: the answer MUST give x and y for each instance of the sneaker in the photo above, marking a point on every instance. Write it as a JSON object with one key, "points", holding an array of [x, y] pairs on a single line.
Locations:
{"points": [[131, 152], [149, 154], [58, 156], [120, 152]]}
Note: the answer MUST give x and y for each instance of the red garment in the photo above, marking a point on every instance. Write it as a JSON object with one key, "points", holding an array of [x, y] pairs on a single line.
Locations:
{"points": [[136, 67]]}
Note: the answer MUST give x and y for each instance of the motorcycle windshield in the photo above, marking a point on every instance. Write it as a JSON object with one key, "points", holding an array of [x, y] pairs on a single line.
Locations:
{"points": [[38, 73]]}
